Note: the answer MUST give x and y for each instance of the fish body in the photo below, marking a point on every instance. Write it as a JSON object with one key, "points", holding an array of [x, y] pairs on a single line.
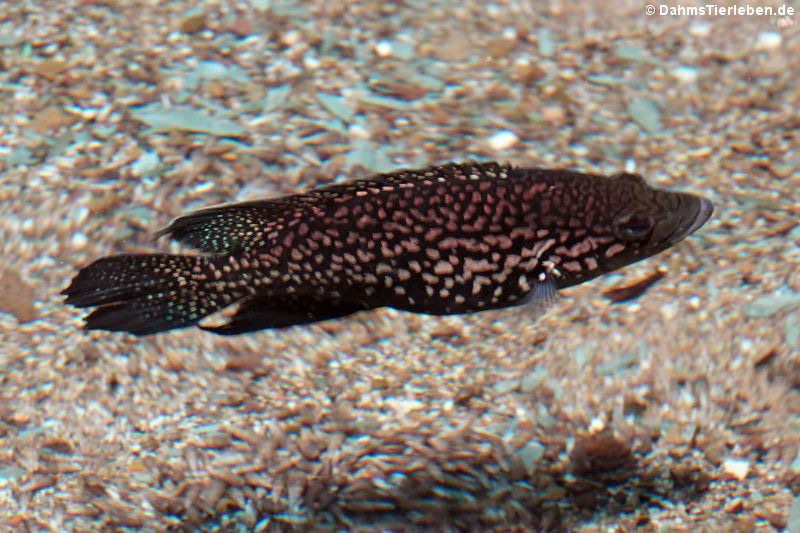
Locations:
{"points": [[457, 238]]}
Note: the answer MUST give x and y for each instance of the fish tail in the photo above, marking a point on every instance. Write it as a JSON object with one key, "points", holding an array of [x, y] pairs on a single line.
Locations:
{"points": [[145, 294]]}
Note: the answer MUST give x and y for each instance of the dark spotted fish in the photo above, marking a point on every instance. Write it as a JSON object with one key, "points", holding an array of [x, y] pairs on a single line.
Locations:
{"points": [[458, 238]]}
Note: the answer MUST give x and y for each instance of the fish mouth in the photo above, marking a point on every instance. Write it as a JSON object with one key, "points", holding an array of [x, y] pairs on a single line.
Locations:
{"points": [[704, 210]]}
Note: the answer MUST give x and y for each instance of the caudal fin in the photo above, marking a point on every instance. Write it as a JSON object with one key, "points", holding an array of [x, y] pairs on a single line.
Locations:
{"points": [[145, 294]]}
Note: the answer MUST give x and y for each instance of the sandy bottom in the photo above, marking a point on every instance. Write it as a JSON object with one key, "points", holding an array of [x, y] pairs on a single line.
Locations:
{"points": [[678, 410]]}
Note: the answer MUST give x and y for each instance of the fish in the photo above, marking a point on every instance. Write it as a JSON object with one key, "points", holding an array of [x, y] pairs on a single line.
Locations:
{"points": [[450, 239]]}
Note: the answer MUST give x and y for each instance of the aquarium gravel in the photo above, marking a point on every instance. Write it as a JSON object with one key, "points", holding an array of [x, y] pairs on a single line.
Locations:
{"points": [[677, 408]]}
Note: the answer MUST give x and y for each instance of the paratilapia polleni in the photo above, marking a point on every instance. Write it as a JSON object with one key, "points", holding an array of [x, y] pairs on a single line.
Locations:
{"points": [[457, 238]]}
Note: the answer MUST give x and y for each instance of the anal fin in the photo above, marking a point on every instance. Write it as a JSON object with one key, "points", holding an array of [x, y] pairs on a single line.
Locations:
{"points": [[269, 312]]}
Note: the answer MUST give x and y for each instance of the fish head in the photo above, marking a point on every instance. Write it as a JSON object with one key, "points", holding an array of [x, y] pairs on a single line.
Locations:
{"points": [[630, 221], [651, 219]]}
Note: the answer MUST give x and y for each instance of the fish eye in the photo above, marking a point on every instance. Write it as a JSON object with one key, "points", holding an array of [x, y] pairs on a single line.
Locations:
{"points": [[632, 226]]}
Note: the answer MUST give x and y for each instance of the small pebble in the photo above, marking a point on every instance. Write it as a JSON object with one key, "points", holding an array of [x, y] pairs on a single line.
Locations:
{"points": [[768, 40], [685, 74], [700, 28], [669, 311], [597, 424], [646, 114], [503, 140], [146, 163], [546, 45], [529, 455], [792, 327], [193, 22], [203, 187], [701, 152], [79, 240], [736, 467], [16, 295], [49, 120], [526, 72], [383, 48], [50, 68], [553, 113], [780, 301], [793, 520], [291, 38], [310, 61]]}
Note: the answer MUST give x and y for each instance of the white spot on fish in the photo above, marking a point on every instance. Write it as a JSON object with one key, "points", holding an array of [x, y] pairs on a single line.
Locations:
{"points": [[442, 267], [614, 249]]}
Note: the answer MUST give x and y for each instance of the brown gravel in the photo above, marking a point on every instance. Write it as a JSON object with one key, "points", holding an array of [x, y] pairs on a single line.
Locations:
{"points": [[676, 410], [16, 295]]}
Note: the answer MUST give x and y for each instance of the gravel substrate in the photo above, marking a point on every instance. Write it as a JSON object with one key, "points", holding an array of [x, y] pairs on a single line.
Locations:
{"points": [[676, 410]]}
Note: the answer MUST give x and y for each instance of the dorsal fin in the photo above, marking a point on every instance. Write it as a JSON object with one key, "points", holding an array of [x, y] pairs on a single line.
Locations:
{"points": [[225, 229], [233, 228]]}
